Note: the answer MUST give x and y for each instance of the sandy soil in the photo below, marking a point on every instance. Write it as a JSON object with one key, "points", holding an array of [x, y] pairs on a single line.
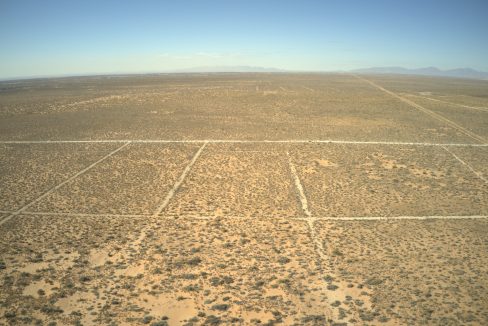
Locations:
{"points": [[253, 182], [254, 233], [132, 182], [28, 171], [419, 272], [214, 107], [388, 181]]}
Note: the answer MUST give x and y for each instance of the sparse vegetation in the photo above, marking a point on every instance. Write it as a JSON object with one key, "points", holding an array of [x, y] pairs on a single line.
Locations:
{"points": [[233, 244]]}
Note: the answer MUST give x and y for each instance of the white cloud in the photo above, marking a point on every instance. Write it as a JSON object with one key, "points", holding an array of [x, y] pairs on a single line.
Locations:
{"points": [[209, 55], [200, 54]]}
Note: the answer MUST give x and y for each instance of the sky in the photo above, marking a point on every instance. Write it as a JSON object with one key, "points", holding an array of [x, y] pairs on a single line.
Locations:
{"points": [[80, 37]]}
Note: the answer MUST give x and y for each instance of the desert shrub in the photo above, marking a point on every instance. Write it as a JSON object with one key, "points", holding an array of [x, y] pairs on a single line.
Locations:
{"points": [[220, 307], [374, 281], [332, 287]]}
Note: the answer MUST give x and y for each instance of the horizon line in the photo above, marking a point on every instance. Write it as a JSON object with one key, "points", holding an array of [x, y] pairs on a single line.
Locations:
{"points": [[273, 70]]}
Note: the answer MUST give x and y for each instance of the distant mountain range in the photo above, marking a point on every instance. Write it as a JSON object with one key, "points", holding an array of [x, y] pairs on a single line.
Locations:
{"points": [[428, 71], [228, 69]]}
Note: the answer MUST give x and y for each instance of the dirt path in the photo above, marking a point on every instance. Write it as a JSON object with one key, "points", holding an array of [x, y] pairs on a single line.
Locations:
{"points": [[25, 207], [479, 108], [237, 141], [426, 111]]}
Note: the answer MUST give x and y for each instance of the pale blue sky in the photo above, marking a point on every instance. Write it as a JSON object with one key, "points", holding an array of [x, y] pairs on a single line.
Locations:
{"points": [[94, 37]]}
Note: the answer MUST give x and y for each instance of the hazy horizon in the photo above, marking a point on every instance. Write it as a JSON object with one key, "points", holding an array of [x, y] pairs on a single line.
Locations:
{"points": [[56, 38]]}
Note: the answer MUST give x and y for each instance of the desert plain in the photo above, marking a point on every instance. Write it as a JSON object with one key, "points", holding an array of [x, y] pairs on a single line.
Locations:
{"points": [[246, 199]]}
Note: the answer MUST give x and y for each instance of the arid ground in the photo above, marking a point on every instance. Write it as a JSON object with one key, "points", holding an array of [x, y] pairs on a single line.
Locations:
{"points": [[247, 199]]}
